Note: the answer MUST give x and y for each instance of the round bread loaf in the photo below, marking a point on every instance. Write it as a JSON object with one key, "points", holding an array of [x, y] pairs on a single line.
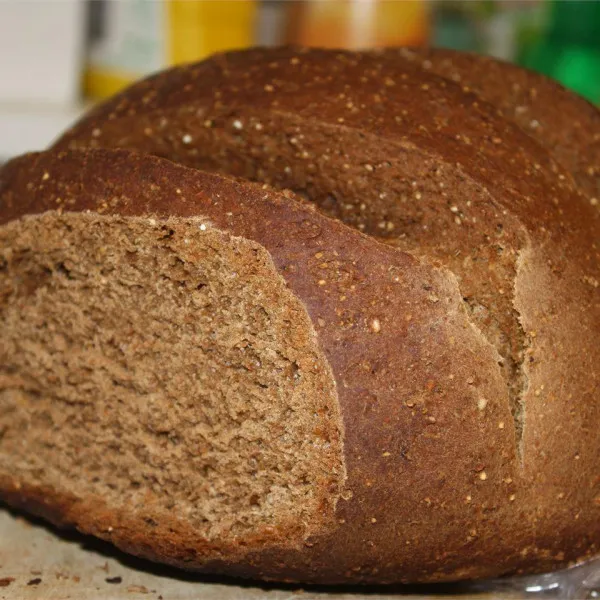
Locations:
{"points": [[388, 374]]}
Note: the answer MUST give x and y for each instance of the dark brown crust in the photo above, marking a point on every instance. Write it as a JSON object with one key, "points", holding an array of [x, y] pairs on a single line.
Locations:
{"points": [[383, 96], [563, 122], [435, 490]]}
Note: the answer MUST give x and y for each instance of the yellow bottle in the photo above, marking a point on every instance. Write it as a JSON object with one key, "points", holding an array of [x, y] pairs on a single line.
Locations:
{"points": [[358, 24], [139, 37]]}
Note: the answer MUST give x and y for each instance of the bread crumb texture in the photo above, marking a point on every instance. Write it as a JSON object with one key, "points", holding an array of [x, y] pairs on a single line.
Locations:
{"points": [[163, 366]]}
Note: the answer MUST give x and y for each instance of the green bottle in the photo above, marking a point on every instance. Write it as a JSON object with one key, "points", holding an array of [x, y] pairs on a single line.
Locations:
{"points": [[569, 51]]}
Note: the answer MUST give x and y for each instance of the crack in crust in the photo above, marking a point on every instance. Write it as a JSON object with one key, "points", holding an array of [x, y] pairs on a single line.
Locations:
{"points": [[512, 365], [512, 356], [518, 390]]}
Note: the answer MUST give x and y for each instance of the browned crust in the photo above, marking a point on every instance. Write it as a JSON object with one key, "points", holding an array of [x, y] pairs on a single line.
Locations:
{"points": [[563, 122], [381, 95], [435, 490]]}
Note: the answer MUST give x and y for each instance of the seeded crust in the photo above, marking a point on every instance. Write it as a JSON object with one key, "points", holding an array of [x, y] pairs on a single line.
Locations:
{"points": [[454, 329], [566, 124]]}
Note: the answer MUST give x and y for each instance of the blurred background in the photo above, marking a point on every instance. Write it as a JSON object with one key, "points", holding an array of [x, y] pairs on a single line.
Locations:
{"points": [[59, 56]]}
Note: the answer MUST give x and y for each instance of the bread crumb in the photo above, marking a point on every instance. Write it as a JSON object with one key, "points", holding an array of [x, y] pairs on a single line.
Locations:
{"points": [[483, 475], [138, 589], [482, 403], [187, 139], [375, 325]]}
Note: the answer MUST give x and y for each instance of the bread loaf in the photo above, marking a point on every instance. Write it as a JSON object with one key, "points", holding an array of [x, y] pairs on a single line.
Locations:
{"points": [[388, 374]]}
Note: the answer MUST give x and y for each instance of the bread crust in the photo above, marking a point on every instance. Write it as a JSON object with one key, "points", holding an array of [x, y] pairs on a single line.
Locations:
{"points": [[564, 123], [436, 489], [387, 99]]}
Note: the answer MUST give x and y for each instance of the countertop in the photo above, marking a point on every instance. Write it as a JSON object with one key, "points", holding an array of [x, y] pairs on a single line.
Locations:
{"points": [[39, 562]]}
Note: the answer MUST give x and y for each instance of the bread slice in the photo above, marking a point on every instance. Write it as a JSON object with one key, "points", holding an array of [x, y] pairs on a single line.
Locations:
{"points": [[213, 374], [563, 122]]}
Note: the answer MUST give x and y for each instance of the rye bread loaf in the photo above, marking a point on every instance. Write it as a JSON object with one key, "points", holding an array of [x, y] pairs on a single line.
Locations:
{"points": [[566, 124], [435, 390]]}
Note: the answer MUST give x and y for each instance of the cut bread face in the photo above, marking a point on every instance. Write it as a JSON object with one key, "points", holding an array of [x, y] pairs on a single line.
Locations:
{"points": [[164, 367]]}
